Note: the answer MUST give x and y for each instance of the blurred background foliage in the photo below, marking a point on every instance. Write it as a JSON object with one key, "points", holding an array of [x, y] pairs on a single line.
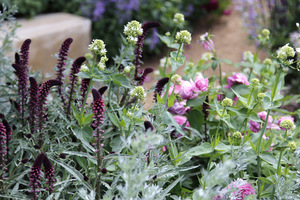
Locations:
{"points": [[109, 15]]}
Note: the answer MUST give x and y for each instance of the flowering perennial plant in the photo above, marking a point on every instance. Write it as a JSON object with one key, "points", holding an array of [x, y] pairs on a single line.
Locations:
{"points": [[197, 139]]}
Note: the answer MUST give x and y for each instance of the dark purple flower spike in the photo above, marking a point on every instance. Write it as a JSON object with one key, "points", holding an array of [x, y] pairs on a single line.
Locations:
{"points": [[35, 175], [142, 78], [24, 54], [148, 125], [73, 78], [139, 45], [102, 90], [3, 149], [49, 173], [22, 87], [33, 103], [159, 87], [62, 57], [8, 135], [83, 88], [44, 91]]}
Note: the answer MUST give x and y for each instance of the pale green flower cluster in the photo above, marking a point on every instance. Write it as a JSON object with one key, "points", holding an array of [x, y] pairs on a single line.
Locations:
{"points": [[267, 61], [101, 65], [84, 68], [261, 95], [178, 18], [98, 47], [227, 102], [237, 135], [255, 82], [139, 93], [287, 124], [129, 69], [264, 36], [132, 30], [184, 37], [284, 52], [207, 56], [176, 79], [248, 56]]}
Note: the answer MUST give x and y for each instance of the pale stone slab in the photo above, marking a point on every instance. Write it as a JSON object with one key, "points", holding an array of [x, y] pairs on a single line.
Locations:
{"points": [[47, 33]]}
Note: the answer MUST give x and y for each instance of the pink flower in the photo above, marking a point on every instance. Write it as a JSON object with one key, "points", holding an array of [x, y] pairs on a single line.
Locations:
{"points": [[255, 126], [206, 42], [179, 108], [201, 83], [243, 189], [237, 78], [187, 90], [181, 120]]}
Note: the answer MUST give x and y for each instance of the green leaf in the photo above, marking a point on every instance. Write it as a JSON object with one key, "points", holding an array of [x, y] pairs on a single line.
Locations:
{"points": [[122, 80], [204, 148], [196, 119], [176, 62], [242, 99], [265, 180], [223, 147], [81, 154], [78, 133], [195, 102], [171, 100], [215, 64], [169, 119], [83, 75], [87, 133], [114, 119], [269, 158], [226, 61]]}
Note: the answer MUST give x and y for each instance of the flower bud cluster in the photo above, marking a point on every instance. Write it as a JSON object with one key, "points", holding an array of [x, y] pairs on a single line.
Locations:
{"points": [[178, 18], [98, 47], [285, 54], [139, 93], [184, 37], [132, 30], [227, 102]]}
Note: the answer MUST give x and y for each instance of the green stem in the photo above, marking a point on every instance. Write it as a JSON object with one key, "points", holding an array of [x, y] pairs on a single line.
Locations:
{"points": [[179, 50], [85, 98], [220, 71], [122, 57], [223, 112]]}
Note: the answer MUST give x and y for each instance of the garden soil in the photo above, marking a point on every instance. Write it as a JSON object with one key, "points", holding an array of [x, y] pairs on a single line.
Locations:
{"points": [[230, 39]]}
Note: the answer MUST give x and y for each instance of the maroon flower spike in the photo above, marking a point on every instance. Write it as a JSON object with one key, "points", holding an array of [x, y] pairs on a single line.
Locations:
{"points": [[98, 110], [3, 149], [17, 59], [49, 173], [102, 90], [33, 103], [35, 175], [73, 78], [22, 87], [8, 135], [142, 78], [159, 87], [44, 91], [83, 88], [24, 54], [148, 125], [139, 45], [62, 57]]}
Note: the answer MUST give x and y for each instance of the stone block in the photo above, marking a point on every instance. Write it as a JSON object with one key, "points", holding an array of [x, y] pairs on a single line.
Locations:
{"points": [[47, 33]]}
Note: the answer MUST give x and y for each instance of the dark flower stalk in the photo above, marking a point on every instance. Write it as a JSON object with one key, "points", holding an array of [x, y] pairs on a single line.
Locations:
{"points": [[22, 87], [73, 78], [205, 111], [49, 173], [44, 91], [24, 54], [35, 175], [98, 110], [102, 90], [139, 45], [62, 57], [3, 152], [142, 78], [83, 88], [33, 103], [8, 135], [159, 87]]}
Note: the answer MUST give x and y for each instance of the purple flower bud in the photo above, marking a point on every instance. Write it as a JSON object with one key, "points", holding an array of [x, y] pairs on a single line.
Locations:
{"points": [[3, 149], [37, 146], [148, 125], [159, 87], [49, 173], [24, 161], [62, 155], [35, 173], [24, 54], [104, 170], [142, 78], [33, 103], [85, 178], [102, 90]]}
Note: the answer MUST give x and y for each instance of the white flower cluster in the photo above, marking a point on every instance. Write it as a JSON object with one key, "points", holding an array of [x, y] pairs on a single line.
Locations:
{"points": [[286, 52], [101, 65], [178, 18], [132, 30], [98, 47], [139, 93], [184, 37], [207, 56]]}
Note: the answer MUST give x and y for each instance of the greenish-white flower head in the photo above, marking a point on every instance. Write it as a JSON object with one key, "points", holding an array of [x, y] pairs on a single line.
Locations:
{"points": [[132, 30], [248, 56], [261, 95], [129, 114], [255, 82], [183, 37], [237, 135], [178, 18], [292, 146], [127, 69], [84, 68], [89, 56], [207, 56], [101, 66], [284, 52], [267, 61], [227, 102], [167, 34], [98, 47], [265, 32], [287, 124], [176, 79], [139, 93]]}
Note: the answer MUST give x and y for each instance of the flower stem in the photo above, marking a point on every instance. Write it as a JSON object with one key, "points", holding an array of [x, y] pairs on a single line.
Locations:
{"points": [[122, 57]]}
